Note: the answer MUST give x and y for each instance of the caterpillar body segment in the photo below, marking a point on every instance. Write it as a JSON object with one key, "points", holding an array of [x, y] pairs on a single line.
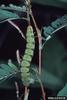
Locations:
{"points": [[30, 45], [27, 58], [30, 40], [25, 63], [29, 52]]}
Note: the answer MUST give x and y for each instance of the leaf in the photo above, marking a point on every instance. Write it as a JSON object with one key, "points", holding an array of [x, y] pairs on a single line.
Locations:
{"points": [[63, 92], [6, 71], [4, 15], [12, 65], [13, 7]]}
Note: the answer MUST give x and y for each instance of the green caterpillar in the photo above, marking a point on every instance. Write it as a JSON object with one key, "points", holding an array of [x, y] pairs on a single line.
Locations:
{"points": [[27, 58]]}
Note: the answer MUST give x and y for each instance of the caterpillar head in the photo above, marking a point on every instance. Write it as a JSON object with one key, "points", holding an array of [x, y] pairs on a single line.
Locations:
{"points": [[30, 29]]}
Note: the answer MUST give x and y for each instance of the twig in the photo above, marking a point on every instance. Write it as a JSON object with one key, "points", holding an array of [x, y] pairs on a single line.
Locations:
{"points": [[17, 90], [13, 24], [42, 88], [39, 38], [18, 57], [26, 93], [40, 44]]}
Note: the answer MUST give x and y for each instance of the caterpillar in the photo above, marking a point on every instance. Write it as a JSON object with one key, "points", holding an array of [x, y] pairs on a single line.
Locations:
{"points": [[27, 58]]}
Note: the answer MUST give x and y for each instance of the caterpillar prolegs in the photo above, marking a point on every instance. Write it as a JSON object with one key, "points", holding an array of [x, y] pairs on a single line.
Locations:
{"points": [[27, 58]]}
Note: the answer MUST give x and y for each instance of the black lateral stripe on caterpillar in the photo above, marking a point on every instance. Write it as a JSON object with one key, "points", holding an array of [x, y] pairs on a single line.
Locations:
{"points": [[27, 58]]}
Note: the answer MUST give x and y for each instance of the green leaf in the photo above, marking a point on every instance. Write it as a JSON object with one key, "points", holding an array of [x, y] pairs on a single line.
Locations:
{"points": [[6, 71], [63, 92], [7, 15]]}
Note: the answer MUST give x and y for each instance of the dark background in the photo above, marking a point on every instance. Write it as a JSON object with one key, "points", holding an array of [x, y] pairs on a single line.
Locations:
{"points": [[10, 41]]}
